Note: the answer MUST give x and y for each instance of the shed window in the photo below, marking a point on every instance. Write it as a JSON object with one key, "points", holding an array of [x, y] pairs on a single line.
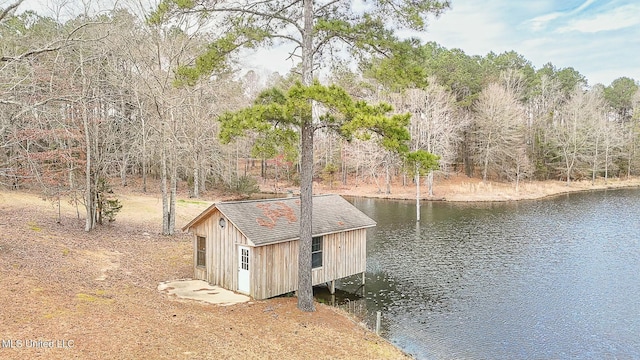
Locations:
{"points": [[201, 251], [316, 252]]}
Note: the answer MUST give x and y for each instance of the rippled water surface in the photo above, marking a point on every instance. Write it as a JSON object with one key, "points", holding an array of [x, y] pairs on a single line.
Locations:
{"points": [[556, 278]]}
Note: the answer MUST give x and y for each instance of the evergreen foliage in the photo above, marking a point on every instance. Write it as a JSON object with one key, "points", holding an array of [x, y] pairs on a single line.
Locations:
{"points": [[276, 118], [108, 206]]}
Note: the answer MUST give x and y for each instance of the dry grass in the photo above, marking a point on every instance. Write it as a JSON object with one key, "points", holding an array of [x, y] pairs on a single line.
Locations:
{"points": [[463, 188], [98, 290]]}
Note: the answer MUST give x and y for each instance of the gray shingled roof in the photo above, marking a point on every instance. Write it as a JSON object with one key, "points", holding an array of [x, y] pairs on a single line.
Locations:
{"points": [[269, 221]]}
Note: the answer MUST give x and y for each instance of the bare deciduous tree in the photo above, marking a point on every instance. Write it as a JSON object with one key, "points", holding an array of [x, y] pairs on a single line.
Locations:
{"points": [[436, 127], [499, 132], [574, 134]]}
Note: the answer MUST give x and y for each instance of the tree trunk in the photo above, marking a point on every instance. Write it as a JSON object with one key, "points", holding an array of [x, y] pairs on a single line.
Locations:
{"points": [[275, 177], [144, 156], [569, 164], [595, 165], [343, 162], [172, 199], [169, 169], [631, 154], [417, 193], [123, 171], [485, 165], [196, 175], [467, 163], [387, 178], [90, 195], [305, 285], [517, 178], [606, 165], [163, 187]]}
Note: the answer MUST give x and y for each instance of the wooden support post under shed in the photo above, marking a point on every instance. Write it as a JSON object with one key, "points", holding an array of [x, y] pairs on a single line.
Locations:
{"points": [[332, 287]]}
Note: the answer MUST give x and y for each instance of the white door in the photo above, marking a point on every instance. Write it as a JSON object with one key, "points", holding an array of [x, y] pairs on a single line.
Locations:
{"points": [[243, 269]]}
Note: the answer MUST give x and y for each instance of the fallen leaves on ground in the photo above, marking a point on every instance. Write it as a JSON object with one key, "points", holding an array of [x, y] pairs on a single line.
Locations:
{"points": [[94, 296]]}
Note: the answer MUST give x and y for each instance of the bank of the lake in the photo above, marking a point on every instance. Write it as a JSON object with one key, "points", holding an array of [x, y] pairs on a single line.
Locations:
{"points": [[50, 274], [458, 188]]}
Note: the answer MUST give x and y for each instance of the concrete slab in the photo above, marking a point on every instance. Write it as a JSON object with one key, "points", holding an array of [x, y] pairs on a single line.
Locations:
{"points": [[201, 291]]}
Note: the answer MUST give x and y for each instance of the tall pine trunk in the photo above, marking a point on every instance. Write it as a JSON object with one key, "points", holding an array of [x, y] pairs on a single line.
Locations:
{"points": [[305, 285], [90, 194]]}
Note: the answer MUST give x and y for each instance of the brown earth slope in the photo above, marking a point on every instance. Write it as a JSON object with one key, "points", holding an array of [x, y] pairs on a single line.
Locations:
{"points": [[93, 295]]}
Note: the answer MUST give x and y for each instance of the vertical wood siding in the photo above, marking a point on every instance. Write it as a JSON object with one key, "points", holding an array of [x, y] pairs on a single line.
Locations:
{"points": [[274, 268], [221, 252], [343, 254]]}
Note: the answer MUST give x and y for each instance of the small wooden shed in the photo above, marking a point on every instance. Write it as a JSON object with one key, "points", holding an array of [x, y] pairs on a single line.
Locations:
{"points": [[252, 246]]}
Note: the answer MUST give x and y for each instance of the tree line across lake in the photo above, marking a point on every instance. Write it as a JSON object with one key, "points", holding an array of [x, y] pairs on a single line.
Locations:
{"points": [[113, 95]]}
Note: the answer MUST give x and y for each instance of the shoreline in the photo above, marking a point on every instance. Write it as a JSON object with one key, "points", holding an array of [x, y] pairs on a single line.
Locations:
{"points": [[31, 220], [463, 189]]}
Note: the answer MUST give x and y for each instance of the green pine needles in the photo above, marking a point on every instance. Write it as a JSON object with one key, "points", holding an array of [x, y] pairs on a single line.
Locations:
{"points": [[276, 116]]}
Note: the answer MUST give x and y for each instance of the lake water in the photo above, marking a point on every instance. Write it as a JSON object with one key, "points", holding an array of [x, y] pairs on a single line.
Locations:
{"points": [[549, 279]]}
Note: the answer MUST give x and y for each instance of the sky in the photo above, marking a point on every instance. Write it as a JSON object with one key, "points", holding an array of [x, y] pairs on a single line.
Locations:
{"points": [[598, 38]]}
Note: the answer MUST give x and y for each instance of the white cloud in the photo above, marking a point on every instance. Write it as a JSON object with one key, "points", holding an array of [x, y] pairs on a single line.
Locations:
{"points": [[540, 22], [472, 26], [502, 25], [618, 18], [583, 6], [599, 38]]}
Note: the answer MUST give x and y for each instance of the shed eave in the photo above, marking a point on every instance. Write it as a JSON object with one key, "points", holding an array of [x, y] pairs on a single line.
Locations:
{"points": [[280, 241], [203, 215]]}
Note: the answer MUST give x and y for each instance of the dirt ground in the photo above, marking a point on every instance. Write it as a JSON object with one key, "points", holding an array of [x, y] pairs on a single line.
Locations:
{"points": [[70, 294], [67, 294]]}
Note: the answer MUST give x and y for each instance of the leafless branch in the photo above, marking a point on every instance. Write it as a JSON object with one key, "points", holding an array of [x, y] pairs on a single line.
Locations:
{"points": [[11, 8], [27, 108], [321, 9], [53, 46]]}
